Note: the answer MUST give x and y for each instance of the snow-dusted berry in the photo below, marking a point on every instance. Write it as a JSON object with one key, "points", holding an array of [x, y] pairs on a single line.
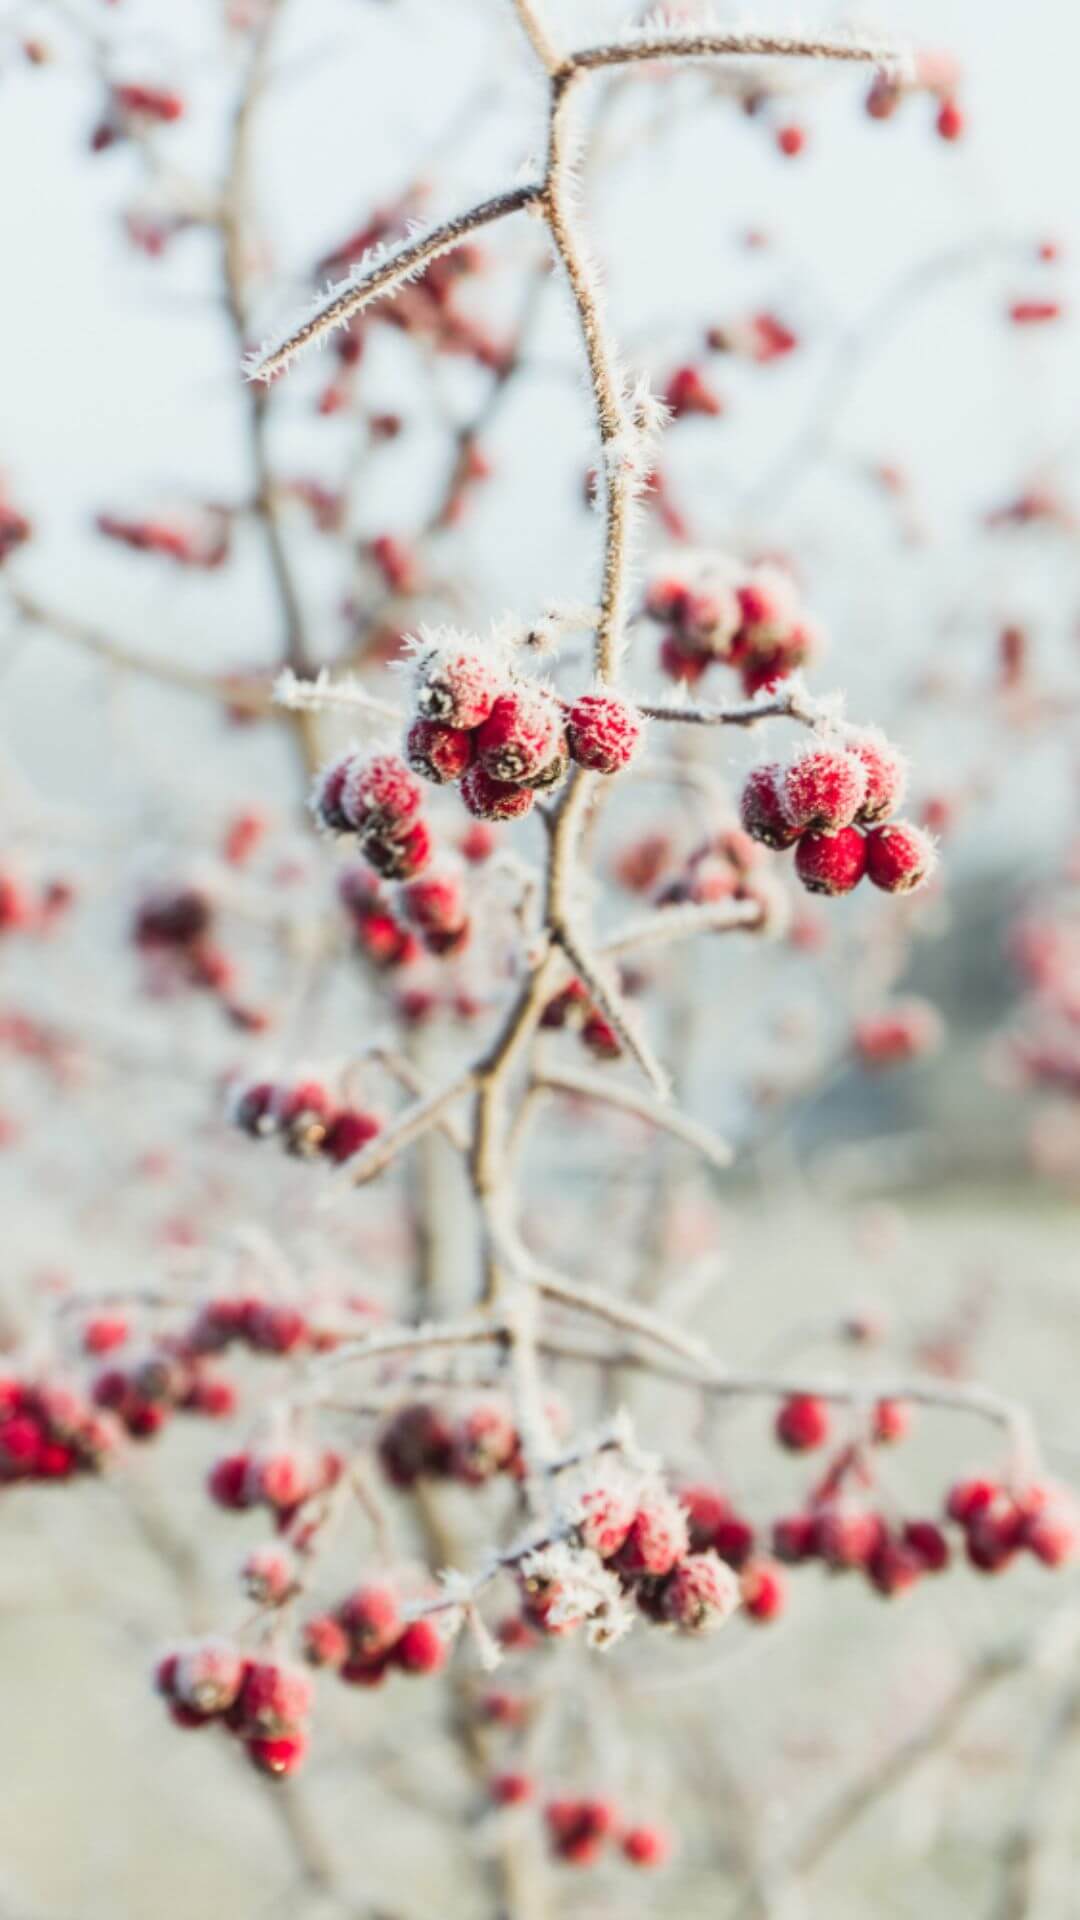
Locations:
{"points": [[273, 1700], [605, 1514], [371, 1617], [208, 1676], [823, 789], [438, 752], [831, 863], [399, 856], [701, 1594], [521, 735], [458, 685], [490, 799], [484, 1442], [420, 1649], [328, 793], [604, 732], [657, 1537], [899, 857], [886, 776], [761, 809], [381, 796]]}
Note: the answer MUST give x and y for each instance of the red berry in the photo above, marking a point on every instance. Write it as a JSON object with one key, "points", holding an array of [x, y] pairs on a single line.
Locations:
{"points": [[791, 140], [521, 735], [764, 1590], [325, 1642], [381, 796], [794, 1538], [484, 1443], [968, 1498], [438, 752], [802, 1423], [657, 1537], [823, 789], [399, 856], [279, 1756], [645, 1846], [274, 1700], [701, 1594], [604, 732], [458, 685], [604, 1517], [208, 1676], [892, 1421], [761, 810], [421, 1648], [372, 1619], [926, 1540], [899, 857], [950, 120], [894, 1567], [886, 776], [347, 1133], [688, 391], [492, 799], [831, 863], [512, 1789], [230, 1482]]}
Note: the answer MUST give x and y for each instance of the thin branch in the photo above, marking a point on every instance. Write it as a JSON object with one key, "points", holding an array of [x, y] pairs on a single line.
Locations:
{"points": [[409, 1127], [537, 35], [713, 46], [682, 923], [616, 1008], [793, 704], [380, 277], [616, 1093]]}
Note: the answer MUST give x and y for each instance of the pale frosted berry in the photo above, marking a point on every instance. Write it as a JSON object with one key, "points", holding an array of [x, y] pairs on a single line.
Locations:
{"points": [[438, 752], [604, 732], [846, 1536], [1049, 1525], [823, 789], [831, 863], [886, 776], [273, 1700], [208, 1676], [605, 1514], [701, 1594], [435, 903], [762, 812], [899, 857], [381, 796], [458, 686], [645, 1846], [325, 1642], [764, 1590], [371, 1617], [269, 1575], [491, 799], [802, 1423], [521, 735], [657, 1537], [420, 1649], [484, 1442], [283, 1479]]}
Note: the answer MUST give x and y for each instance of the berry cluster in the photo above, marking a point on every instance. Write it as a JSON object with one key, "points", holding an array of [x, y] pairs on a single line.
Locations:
{"points": [[580, 1829], [378, 799], [262, 1702], [422, 1441], [505, 739], [998, 1522], [174, 931], [724, 867], [48, 1432], [746, 617], [573, 1007], [379, 934], [833, 804], [304, 1118], [145, 1395], [282, 1479], [367, 1634]]}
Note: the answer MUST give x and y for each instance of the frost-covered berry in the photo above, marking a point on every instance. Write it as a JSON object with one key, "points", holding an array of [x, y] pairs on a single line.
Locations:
{"points": [[604, 1517], [283, 1479], [657, 1537], [458, 685], [381, 796], [399, 856], [208, 1676], [847, 1536], [325, 1642], [269, 1575], [420, 1649], [823, 789], [802, 1423], [521, 735], [645, 1846], [886, 776], [438, 752], [435, 903], [273, 1700], [899, 857], [893, 1567], [761, 811], [831, 863], [328, 793], [604, 732], [485, 1441], [371, 1616], [701, 1594], [490, 799]]}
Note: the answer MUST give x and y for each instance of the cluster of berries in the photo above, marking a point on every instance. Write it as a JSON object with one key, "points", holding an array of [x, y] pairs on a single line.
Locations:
{"points": [[803, 1423], [174, 932], [305, 1119], [746, 617], [934, 74], [378, 799], [716, 1525], [368, 1634], [998, 1522], [282, 1479], [847, 1536], [580, 1829], [262, 1702], [48, 1433], [422, 1441], [724, 867], [906, 1030], [381, 936], [641, 1536], [574, 1008], [506, 739], [144, 1395], [834, 805]]}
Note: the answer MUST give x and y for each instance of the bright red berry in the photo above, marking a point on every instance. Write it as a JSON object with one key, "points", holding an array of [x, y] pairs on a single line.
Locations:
{"points": [[491, 799], [762, 812], [604, 732], [823, 789], [831, 863], [802, 1423], [899, 857]]}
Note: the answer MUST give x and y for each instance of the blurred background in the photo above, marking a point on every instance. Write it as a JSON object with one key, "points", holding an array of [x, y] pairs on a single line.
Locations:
{"points": [[883, 327]]}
